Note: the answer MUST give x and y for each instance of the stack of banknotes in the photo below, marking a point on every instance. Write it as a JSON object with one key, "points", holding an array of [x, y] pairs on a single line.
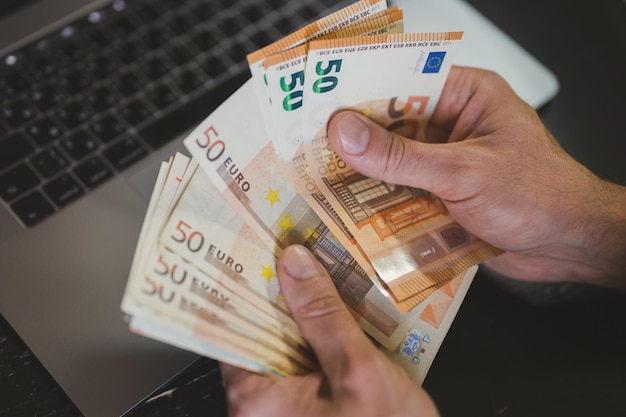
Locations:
{"points": [[262, 176]]}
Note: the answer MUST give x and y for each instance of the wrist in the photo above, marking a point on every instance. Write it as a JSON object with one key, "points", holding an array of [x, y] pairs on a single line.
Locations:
{"points": [[602, 237]]}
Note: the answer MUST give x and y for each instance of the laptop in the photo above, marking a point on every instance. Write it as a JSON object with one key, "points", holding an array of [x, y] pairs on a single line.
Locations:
{"points": [[93, 95]]}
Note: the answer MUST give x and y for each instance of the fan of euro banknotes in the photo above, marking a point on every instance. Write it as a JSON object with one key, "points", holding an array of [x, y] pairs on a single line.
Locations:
{"points": [[262, 177]]}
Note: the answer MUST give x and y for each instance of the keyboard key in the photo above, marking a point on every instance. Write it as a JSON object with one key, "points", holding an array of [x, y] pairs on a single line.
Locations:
{"points": [[307, 12], [161, 97], [230, 26], [156, 67], [285, 24], [188, 81], [73, 114], [63, 190], [147, 11], [237, 52], [155, 37], [99, 38], [213, 66], [32, 209], [42, 68], [13, 84], [101, 66], [93, 172], [87, 44], [170, 125], [128, 83], [13, 149], [179, 53], [180, 24], [275, 4], [261, 39], [130, 51], [102, 98], [44, 131], [135, 111], [45, 97], [206, 39], [79, 144], [107, 128], [329, 3], [17, 113], [125, 153], [254, 12], [171, 4], [69, 52], [122, 26], [17, 181], [205, 11], [49, 162], [75, 81]]}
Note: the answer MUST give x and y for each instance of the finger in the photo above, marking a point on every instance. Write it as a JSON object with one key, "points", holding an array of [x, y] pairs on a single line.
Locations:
{"points": [[321, 315], [377, 153], [231, 375], [244, 389], [461, 85], [469, 96]]}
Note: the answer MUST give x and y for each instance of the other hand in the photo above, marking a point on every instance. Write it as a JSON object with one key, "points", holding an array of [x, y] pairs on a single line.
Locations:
{"points": [[355, 378], [503, 176]]}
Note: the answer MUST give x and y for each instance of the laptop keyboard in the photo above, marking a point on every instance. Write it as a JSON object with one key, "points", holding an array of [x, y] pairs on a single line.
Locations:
{"points": [[96, 95]]}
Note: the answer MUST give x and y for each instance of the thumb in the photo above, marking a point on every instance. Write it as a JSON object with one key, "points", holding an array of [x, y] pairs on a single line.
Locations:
{"points": [[318, 310], [377, 153]]}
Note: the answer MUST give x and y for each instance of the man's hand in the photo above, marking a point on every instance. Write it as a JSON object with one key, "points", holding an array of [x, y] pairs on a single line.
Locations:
{"points": [[355, 379], [503, 177]]}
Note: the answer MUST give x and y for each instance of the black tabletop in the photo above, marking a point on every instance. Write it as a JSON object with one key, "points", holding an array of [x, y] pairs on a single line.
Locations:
{"points": [[515, 349]]}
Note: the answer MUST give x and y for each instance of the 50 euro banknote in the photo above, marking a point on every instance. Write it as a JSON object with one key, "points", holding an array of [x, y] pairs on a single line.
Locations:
{"points": [[412, 242], [168, 299]]}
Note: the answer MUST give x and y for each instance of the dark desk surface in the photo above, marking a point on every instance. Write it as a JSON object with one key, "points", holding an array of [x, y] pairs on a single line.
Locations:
{"points": [[517, 349]]}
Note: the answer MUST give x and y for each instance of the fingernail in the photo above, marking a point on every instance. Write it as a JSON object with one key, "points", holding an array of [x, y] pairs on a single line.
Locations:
{"points": [[300, 263], [354, 134]]}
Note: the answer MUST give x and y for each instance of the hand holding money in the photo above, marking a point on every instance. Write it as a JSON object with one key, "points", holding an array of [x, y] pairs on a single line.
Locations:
{"points": [[356, 379], [513, 203]]}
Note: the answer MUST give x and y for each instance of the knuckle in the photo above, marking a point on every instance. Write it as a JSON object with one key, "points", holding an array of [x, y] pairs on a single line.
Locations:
{"points": [[235, 393], [490, 78], [322, 305], [374, 366], [394, 156], [241, 400]]}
